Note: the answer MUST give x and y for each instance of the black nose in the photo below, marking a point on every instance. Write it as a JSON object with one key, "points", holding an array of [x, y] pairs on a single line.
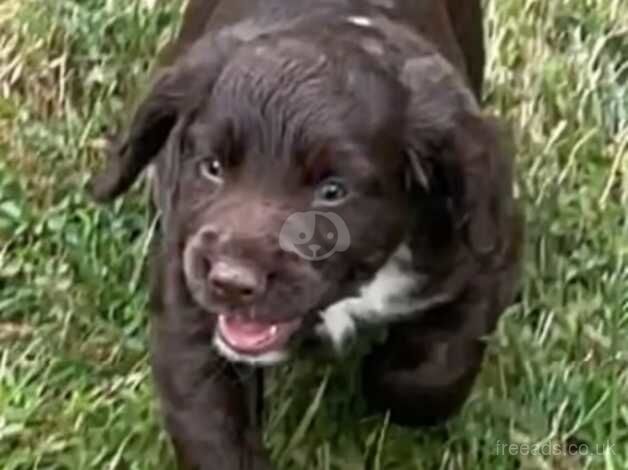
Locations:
{"points": [[236, 283]]}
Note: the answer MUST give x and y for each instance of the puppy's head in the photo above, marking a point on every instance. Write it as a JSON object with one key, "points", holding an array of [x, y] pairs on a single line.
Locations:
{"points": [[288, 172]]}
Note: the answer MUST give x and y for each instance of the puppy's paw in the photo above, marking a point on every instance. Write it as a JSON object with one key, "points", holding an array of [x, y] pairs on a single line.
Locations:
{"points": [[338, 326]]}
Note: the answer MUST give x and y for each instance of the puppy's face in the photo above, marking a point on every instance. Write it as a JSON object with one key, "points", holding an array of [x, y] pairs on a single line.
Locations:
{"points": [[289, 193], [285, 171]]}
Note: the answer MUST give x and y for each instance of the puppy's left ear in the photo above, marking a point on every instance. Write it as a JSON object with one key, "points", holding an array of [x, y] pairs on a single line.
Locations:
{"points": [[450, 145]]}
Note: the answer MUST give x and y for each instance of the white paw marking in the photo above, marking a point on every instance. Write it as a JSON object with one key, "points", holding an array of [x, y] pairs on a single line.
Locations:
{"points": [[360, 21], [394, 292], [338, 326]]}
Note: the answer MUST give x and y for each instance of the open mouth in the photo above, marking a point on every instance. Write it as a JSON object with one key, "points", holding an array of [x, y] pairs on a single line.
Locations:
{"points": [[252, 337]]}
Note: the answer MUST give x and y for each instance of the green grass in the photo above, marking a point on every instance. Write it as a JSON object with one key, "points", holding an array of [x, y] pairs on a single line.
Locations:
{"points": [[75, 391]]}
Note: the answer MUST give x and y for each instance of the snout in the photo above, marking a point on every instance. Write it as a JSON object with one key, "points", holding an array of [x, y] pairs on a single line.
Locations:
{"points": [[234, 283], [259, 292], [219, 275]]}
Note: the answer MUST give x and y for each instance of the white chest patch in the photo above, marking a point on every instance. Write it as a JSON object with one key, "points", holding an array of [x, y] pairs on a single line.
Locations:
{"points": [[266, 359], [395, 292]]}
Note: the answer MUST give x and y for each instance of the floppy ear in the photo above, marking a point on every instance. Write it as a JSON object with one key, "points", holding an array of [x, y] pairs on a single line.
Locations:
{"points": [[449, 144], [176, 91]]}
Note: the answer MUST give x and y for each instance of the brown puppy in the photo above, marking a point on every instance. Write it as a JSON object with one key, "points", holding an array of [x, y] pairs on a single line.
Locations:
{"points": [[321, 165]]}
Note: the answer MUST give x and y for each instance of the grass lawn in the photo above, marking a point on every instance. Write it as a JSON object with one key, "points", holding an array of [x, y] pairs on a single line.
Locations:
{"points": [[75, 390]]}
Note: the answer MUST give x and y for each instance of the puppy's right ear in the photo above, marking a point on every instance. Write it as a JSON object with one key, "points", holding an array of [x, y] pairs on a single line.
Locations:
{"points": [[177, 90]]}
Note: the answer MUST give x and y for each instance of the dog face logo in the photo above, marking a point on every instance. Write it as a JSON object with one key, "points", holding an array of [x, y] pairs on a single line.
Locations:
{"points": [[314, 235]]}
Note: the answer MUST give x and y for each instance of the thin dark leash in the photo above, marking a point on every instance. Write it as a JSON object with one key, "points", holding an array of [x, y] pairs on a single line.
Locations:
{"points": [[252, 378], [256, 400]]}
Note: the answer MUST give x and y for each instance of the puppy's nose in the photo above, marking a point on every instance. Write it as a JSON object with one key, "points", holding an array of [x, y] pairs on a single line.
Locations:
{"points": [[236, 283]]}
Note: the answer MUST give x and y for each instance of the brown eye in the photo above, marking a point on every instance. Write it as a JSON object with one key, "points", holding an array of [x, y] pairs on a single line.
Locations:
{"points": [[331, 191], [212, 170]]}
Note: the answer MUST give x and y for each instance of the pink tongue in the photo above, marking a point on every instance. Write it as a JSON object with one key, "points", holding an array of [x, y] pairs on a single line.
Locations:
{"points": [[244, 334], [254, 337]]}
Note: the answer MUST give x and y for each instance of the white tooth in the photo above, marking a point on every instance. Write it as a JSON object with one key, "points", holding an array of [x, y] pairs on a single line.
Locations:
{"points": [[273, 330]]}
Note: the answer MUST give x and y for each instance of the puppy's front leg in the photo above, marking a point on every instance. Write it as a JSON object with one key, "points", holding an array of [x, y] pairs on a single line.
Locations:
{"points": [[204, 404], [421, 377], [395, 293]]}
